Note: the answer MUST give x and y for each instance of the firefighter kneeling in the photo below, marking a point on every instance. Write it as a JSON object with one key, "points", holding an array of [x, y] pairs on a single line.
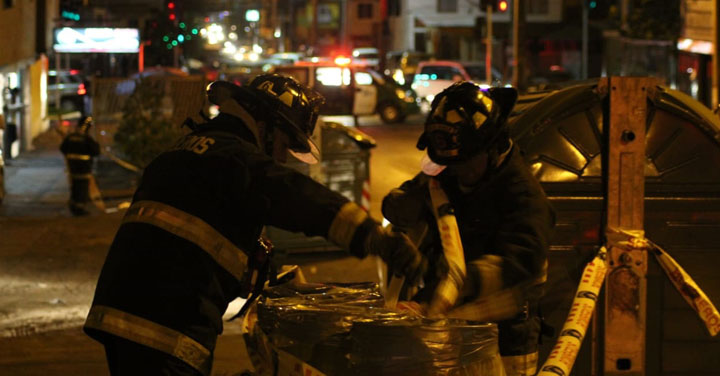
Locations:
{"points": [[475, 180], [191, 236]]}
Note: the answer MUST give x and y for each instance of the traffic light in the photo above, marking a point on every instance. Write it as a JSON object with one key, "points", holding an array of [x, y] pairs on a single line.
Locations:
{"points": [[171, 8], [502, 6]]}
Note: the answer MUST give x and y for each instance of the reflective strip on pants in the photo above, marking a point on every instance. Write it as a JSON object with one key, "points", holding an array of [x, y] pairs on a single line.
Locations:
{"points": [[521, 365], [148, 333], [79, 157], [192, 229]]}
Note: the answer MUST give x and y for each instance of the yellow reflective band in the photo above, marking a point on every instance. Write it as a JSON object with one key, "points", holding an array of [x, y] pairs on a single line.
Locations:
{"points": [[498, 305], [287, 98], [148, 333], [81, 176], [488, 103], [346, 221], [267, 86], [453, 117], [489, 269], [521, 365], [193, 229], [479, 119], [79, 157], [501, 305]]}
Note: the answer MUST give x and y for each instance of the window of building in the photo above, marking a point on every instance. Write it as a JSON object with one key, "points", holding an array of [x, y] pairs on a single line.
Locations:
{"points": [[394, 8], [537, 7], [365, 10], [420, 42], [447, 6]]}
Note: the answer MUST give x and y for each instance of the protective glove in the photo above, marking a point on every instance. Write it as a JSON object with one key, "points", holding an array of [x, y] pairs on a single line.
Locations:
{"points": [[404, 209], [398, 252]]}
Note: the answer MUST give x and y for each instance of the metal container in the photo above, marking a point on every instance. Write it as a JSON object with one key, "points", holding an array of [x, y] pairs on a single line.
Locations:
{"points": [[344, 168], [563, 138]]}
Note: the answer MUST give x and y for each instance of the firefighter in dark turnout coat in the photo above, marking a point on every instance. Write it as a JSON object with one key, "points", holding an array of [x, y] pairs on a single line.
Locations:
{"points": [[504, 218], [79, 149], [189, 241]]}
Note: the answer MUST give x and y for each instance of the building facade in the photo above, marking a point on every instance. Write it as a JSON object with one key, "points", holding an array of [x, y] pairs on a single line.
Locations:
{"points": [[23, 69]]}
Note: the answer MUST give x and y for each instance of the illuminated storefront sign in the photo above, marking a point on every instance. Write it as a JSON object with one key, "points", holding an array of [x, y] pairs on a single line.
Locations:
{"points": [[108, 40]]}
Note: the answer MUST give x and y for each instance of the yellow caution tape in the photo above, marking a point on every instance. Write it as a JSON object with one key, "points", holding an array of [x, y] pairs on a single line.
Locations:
{"points": [[562, 357], [689, 290], [95, 195], [448, 289], [122, 163], [682, 281]]}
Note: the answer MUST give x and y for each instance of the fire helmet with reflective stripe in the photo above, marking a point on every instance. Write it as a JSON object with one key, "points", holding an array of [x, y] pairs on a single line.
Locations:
{"points": [[465, 120], [279, 101], [290, 106]]}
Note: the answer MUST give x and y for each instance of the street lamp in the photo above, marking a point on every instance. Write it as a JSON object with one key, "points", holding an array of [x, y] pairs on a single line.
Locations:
{"points": [[252, 15]]}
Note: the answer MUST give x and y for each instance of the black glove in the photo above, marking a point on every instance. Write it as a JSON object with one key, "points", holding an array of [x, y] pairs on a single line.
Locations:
{"points": [[396, 249], [404, 209]]}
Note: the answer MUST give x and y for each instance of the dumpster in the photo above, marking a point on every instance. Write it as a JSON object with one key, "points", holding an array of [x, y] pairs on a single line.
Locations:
{"points": [[345, 168], [562, 135], [344, 329]]}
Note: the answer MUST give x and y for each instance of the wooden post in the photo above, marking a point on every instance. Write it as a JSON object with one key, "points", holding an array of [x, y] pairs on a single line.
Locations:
{"points": [[626, 282]]}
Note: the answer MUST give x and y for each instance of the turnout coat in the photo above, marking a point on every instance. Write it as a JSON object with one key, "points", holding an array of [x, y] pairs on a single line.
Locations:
{"points": [[505, 224], [185, 243]]}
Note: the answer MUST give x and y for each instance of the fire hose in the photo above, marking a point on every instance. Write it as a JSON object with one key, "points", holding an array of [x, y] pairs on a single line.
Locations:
{"points": [[562, 357], [449, 287]]}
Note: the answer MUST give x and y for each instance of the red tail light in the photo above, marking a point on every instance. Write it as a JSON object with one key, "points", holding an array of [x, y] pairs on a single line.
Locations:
{"points": [[81, 89]]}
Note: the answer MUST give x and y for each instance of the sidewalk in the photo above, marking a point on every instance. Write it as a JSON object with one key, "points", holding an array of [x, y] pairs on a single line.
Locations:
{"points": [[49, 260], [49, 263]]}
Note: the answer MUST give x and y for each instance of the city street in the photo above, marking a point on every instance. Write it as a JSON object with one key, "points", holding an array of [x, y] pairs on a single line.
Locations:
{"points": [[49, 260], [578, 214]]}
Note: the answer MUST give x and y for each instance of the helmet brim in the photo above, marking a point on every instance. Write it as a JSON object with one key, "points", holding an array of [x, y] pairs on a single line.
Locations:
{"points": [[311, 156], [429, 167]]}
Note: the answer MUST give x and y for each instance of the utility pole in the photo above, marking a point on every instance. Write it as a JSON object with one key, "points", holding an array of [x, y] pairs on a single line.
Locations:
{"points": [[314, 28], [518, 78], [343, 24], [488, 49], [715, 56], [584, 58], [274, 22]]}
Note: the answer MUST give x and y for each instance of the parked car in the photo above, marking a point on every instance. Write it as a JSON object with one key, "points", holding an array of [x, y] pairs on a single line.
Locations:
{"points": [[70, 86], [366, 56], [354, 90], [402, 65], [431, 77]]}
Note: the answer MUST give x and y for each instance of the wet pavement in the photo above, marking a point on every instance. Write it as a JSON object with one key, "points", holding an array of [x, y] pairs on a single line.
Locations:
{"points": [[50, 260]]}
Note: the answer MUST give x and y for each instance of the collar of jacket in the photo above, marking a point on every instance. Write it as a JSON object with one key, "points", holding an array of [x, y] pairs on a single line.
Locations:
{"points": [[232, 124]]}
